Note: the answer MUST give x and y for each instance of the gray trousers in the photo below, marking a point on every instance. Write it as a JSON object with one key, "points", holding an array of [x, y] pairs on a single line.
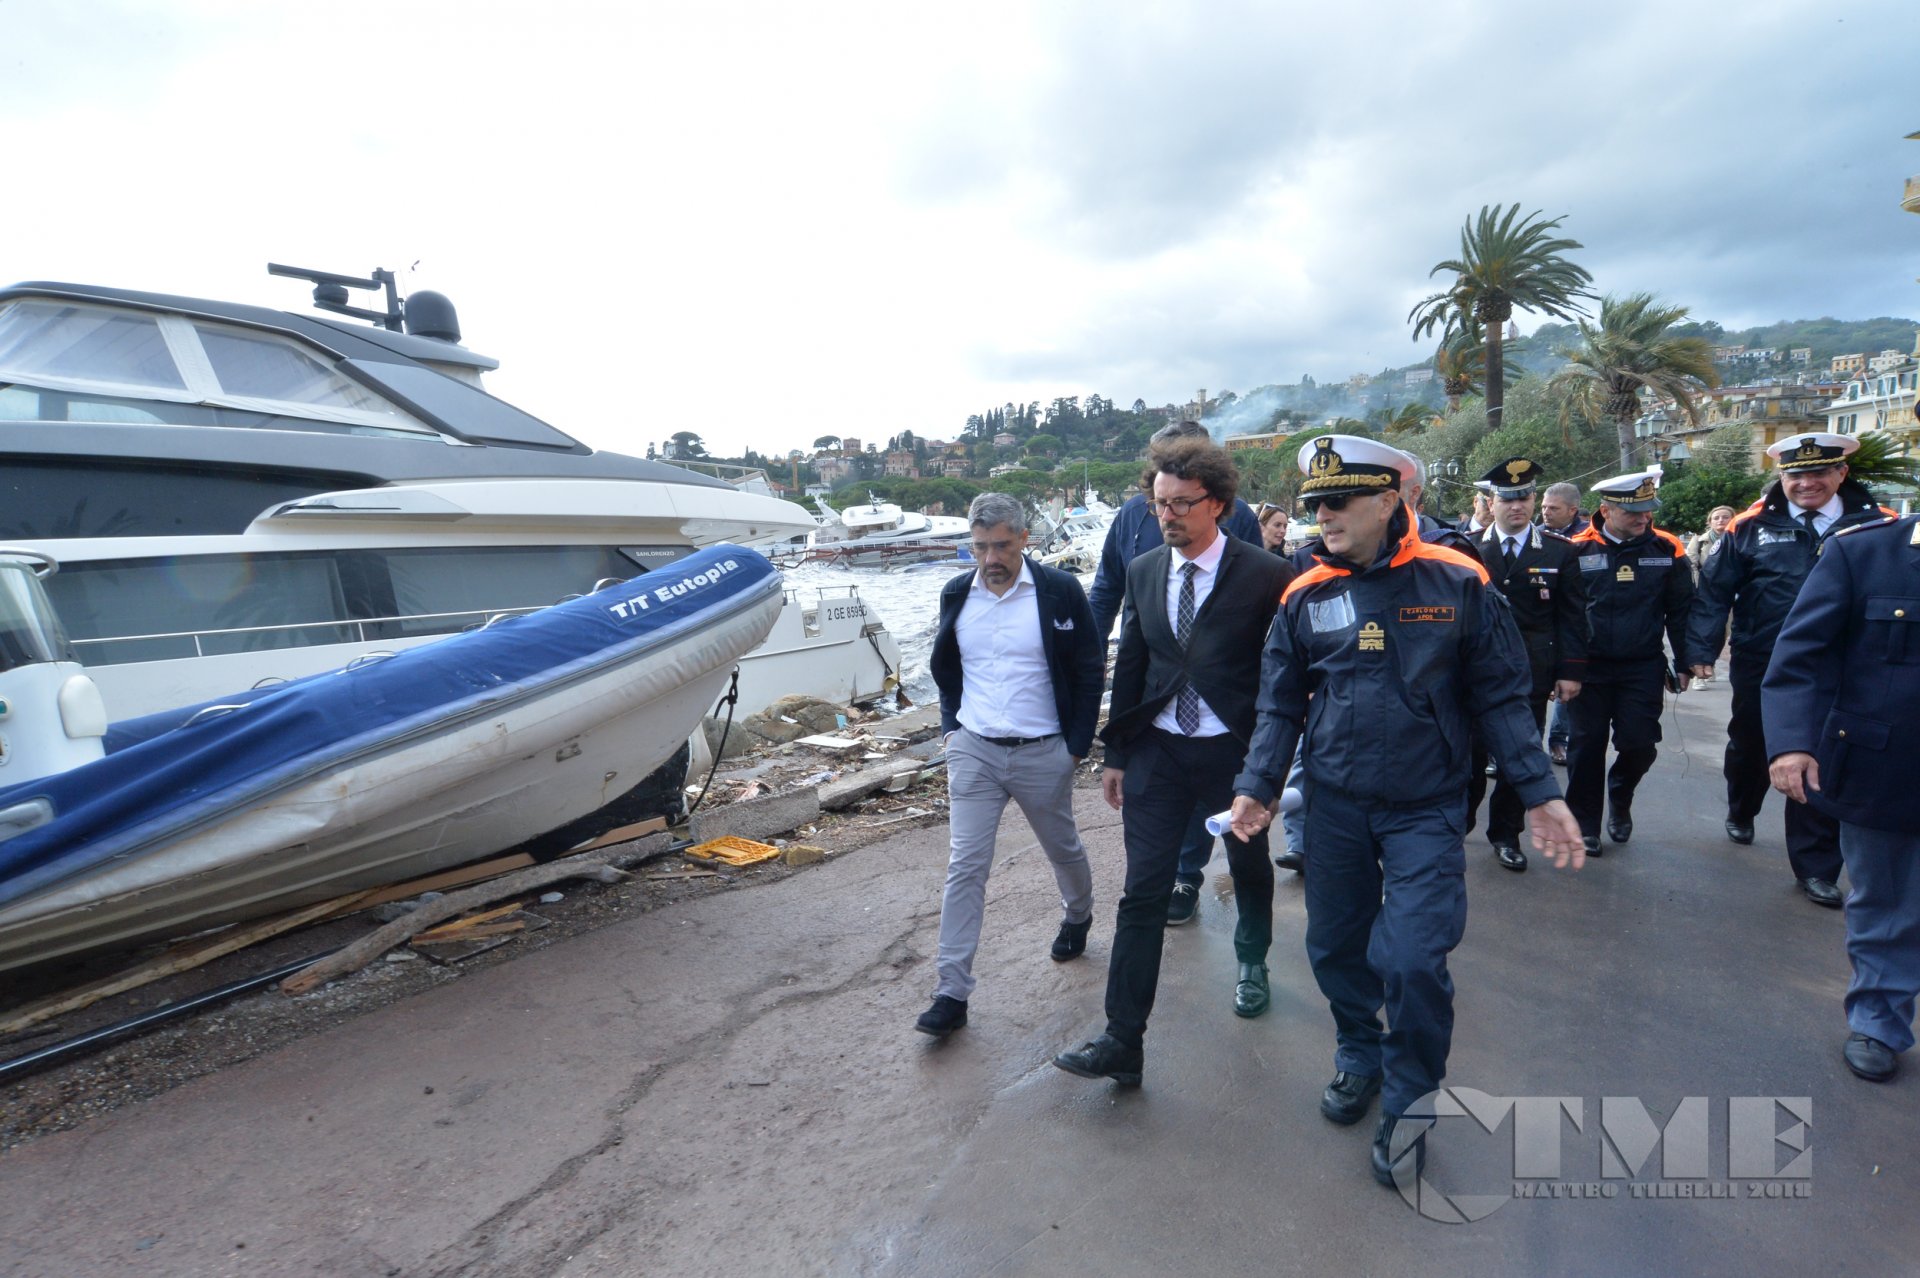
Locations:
{"points": [[981, 777]]}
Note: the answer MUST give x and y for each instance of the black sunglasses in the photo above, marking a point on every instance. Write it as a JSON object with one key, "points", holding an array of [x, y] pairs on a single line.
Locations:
{"points": [[1335, 502]]}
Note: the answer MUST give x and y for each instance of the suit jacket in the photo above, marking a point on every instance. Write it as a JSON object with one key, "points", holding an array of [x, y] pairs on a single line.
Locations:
{"points": [[1844, 681], [1132, 534], [1223, 660], [1549, 601], [1076, 654]]}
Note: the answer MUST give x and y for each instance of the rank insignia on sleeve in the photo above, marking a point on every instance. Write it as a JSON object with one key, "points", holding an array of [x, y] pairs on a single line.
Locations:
{"points": [[1373, 638]]}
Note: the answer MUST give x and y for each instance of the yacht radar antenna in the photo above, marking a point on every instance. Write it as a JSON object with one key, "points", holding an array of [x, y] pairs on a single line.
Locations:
{"points": [[330, 292]]}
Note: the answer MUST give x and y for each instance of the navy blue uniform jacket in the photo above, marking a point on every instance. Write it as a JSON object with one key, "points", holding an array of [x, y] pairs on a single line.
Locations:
{"points": [[1387, 670], [1222, 657], [1132, 534], [1076, 656], [1756, 573], [1844, 682], [1637, 590]]}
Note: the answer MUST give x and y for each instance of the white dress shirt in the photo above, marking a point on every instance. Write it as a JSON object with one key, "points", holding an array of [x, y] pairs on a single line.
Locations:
{"points": [[1208, 562], [1824, 517], [1006, 688]]}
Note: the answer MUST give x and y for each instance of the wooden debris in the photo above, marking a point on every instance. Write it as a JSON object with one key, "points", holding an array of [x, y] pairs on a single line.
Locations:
{"points": [[186, 956], [364, 951], [827, 741], [474, 873], [449, 931], [730, 850], [652, 825]]}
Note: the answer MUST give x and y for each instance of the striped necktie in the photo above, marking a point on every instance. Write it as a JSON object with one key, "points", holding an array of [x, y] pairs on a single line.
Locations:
{"points": [[1186, 710]]}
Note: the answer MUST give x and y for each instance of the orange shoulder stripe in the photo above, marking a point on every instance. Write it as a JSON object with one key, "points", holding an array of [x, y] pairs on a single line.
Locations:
{"points": [[1590, 533], [1744, 516], [1318, 573], [1417, 549], [1679, 547]]}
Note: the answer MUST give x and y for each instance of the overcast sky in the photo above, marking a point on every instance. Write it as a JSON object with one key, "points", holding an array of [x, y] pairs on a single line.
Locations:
{"points": [[771, 221]]}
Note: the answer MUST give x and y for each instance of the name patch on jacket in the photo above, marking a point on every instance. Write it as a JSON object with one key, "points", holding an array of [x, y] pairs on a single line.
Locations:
{"points": [[1768, 537], [1592, 563], [1427, 613], [1327, 615]]}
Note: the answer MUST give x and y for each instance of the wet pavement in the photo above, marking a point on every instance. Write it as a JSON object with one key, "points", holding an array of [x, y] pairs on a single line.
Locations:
{"points": [[732, 1085]]}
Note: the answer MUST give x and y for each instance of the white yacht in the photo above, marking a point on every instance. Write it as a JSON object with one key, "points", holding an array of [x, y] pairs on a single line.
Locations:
{"points": [[239, 495], [879, 532]]}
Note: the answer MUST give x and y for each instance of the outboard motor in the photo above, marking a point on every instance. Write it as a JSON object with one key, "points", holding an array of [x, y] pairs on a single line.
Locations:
{"points": [[51, 715]]}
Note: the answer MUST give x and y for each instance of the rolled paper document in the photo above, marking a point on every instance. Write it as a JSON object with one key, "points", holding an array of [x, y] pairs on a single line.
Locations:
{"points": [[1220, 823]]}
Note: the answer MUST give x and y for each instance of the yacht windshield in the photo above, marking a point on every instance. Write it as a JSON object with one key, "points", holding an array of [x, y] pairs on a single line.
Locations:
{"points": [[83, 363], [30, 632]]}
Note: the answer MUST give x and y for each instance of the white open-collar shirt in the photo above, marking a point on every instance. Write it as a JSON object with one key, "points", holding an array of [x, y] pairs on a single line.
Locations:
{"points": [[1006, 688]]}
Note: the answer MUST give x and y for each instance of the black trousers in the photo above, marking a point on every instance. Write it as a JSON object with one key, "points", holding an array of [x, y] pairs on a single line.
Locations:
{"points": [[1507, 815], [1499, 831], [1813, 837], [1624, 697], [1169, 778]]}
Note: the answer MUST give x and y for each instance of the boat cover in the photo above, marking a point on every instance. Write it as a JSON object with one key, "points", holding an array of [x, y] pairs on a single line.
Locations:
{"points": [[163, 775]]}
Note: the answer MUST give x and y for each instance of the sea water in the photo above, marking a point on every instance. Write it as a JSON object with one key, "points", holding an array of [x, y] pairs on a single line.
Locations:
{"points": [[906, 598]]}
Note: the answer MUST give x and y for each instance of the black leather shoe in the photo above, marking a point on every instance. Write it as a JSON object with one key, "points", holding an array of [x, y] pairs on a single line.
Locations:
{"points": [[1348, 1097], [1822, 892], [1072, 941], [1386, 1158], [1291, 860], [1104, 1057], [943, 1018], [1870, 1058], [1510, 855], [1558, 753], [1592, 842], [1620, 822], [1183, 905], [1250, 995], [1740, 831]]}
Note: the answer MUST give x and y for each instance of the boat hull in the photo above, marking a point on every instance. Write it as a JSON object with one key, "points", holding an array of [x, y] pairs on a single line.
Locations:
{"points": [[507, 771]]}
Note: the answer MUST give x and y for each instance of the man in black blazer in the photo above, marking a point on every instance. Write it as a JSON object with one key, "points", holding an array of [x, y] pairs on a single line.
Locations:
{"points": [[1019, 664], [1184, 683]]}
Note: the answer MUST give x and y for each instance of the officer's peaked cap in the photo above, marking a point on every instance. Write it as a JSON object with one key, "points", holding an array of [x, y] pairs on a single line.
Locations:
{"points": [[1637, 492], [1336, 464], [1514, 477], [1812, 451]]}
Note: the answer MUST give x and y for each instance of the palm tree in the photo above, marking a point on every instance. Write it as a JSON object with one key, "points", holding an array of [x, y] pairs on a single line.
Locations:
{"points": [[1461, 365], [1881, 460], [1629, 350], [1502, 267], [1409, 417]]}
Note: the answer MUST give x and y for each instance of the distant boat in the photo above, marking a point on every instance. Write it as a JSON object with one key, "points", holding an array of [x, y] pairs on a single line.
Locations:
{"points": [[879, 533], [514, 735]]}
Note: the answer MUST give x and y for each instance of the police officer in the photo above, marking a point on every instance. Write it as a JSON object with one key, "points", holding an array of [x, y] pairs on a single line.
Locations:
{"points": [[1756, 573], [1537, 573], [1839, 698], [1638, 585], [1382, 613]]}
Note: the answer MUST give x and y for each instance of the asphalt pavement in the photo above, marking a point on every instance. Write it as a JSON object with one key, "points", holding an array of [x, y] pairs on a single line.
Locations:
{"points": [[733, 1086]]}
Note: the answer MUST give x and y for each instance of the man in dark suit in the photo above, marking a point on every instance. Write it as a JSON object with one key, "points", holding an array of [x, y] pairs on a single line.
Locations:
{"points": [[1839, 698], [1133, 533], [1182, 713], [1539, 573], [1019, 669]]}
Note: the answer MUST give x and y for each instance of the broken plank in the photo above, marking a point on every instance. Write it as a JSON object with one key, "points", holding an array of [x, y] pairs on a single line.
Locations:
{"points": [[441, 882], [184, 957], [362, 952], [652, 825]]}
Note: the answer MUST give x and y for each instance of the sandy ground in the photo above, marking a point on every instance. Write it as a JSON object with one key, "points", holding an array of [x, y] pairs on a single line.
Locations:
{"points": [[730, 1084]]}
